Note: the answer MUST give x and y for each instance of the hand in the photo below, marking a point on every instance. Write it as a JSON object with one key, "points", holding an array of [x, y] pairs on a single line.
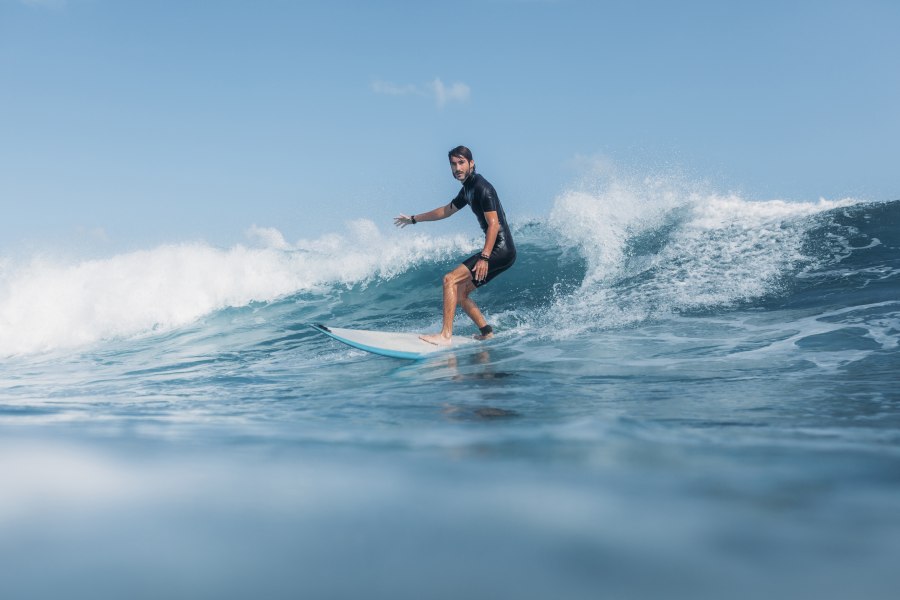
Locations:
{"points": [[402, 221], [481, 269]]}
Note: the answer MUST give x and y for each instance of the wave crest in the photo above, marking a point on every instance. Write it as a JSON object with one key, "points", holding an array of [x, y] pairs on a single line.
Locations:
{"points": [[45, 305], [655, 247]]}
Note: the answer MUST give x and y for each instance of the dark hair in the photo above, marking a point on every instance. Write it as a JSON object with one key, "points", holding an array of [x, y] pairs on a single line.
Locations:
{"points": [[462, 152]]}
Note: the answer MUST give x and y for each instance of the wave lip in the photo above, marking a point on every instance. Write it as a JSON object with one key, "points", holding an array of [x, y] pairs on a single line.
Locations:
{"points": [[47, 305], [657, 247], [611, 256]]}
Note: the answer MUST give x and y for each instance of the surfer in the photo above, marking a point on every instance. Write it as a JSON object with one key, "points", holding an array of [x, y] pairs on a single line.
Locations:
{"points": [[497, 254]]}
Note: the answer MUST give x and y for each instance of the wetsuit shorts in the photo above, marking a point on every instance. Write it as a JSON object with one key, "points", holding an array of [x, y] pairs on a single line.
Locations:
{"points": [[499, 262]]}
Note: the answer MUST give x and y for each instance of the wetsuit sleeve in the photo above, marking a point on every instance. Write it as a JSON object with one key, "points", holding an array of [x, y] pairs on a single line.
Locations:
{"points": [[487, 199], [460, 199]]}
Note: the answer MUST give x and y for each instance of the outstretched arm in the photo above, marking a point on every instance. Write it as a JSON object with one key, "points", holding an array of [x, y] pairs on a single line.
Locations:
{"points": [[441, 212]]}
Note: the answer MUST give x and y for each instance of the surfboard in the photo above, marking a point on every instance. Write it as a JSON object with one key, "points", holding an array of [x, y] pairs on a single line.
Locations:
{"points": [[389, 343]]}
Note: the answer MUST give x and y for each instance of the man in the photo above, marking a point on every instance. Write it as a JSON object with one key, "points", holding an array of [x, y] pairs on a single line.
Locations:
{"points": [[497, 254]]}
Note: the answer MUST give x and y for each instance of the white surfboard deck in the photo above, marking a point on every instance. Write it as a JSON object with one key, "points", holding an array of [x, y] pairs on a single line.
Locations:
{"points": [[390, 343]]}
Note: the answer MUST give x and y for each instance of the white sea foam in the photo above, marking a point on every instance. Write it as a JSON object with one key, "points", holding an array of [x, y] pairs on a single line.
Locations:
{"points": [[660, 245], [49, 304]]}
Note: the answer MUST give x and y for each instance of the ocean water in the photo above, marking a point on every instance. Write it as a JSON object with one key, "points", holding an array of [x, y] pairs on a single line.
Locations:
{"points": [[690, 395]]}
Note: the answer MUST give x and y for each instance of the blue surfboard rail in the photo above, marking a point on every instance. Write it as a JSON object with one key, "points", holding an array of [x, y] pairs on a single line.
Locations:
{"points": [[368, 348], [393, 344]]}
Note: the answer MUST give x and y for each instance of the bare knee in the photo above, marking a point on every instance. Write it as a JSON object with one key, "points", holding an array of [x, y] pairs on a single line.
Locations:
{"points": [[454, 279]]}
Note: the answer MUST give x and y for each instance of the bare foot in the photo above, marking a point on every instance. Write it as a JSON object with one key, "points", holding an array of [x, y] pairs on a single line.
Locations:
{"points": [[436, 339], [481, 337]]}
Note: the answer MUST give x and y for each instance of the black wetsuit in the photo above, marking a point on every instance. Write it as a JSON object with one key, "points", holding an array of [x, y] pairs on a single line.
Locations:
{"points": [[482, 197]]}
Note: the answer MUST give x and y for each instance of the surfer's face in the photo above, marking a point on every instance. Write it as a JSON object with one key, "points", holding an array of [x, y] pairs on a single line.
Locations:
{"points": [[461, 167]]}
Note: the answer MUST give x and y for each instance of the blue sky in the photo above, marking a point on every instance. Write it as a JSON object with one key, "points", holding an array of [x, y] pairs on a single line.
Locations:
{"points": [[125, 123]]}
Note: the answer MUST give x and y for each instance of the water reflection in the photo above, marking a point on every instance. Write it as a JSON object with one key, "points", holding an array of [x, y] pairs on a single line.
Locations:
{"points": [[477, 367]]}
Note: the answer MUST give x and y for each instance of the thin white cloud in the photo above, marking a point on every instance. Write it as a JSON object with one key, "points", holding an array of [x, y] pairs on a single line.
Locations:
{"points": [[437, 90], [458, 92]]}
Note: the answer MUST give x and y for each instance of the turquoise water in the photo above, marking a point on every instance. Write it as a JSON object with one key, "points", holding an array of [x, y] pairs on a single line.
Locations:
{"points": [[689, 396]]}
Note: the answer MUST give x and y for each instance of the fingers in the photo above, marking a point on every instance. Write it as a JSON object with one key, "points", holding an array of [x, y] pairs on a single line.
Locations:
{"points": [[481, 271], [402, 221]]}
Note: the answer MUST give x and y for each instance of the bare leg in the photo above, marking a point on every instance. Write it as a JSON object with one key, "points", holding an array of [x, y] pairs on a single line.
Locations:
{"points": [[452, 280], [471, 308]]}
